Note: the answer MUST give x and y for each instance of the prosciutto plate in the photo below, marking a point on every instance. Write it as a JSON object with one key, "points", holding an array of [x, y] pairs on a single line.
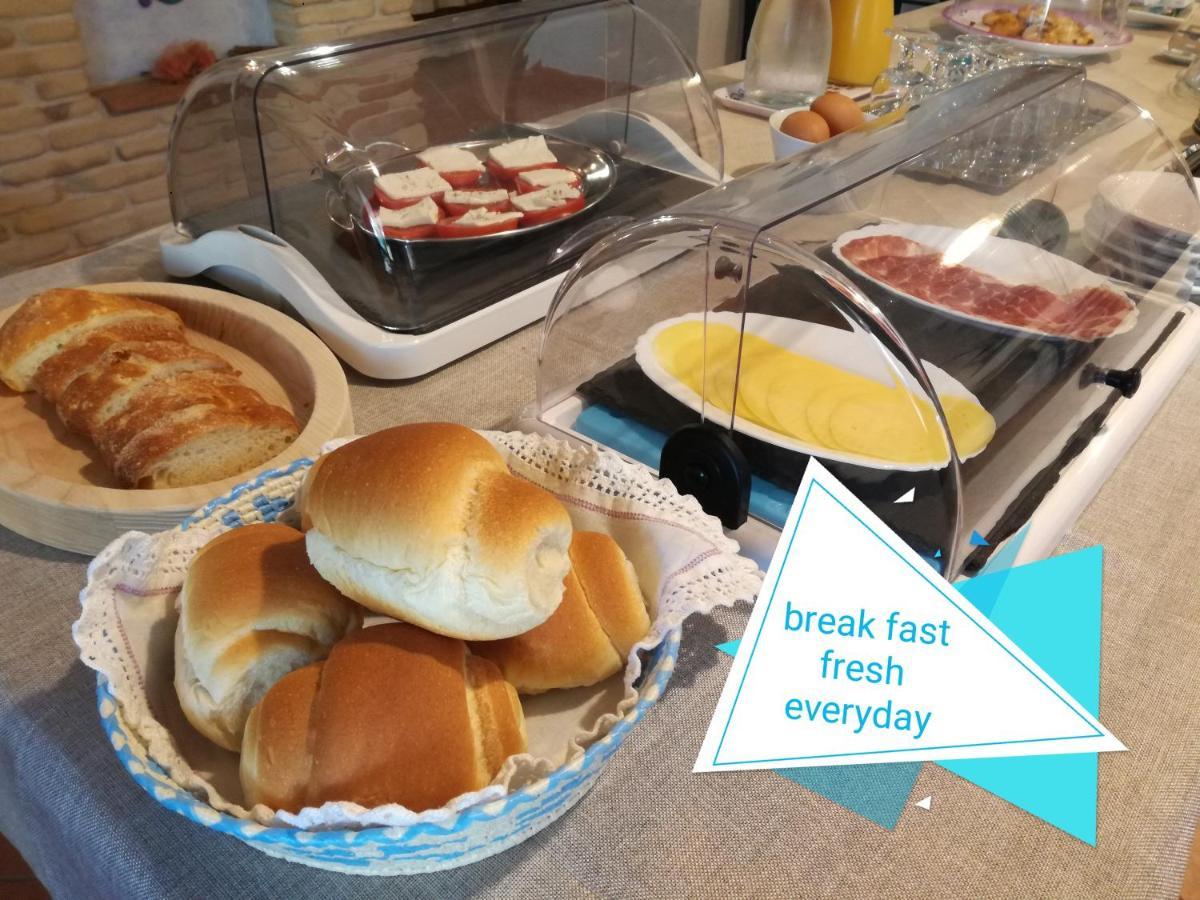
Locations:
{"points": [[1002, 283]]}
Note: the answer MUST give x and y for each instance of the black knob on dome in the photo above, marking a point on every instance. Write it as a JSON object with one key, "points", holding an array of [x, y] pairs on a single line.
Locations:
{"points": [[703, 460]]}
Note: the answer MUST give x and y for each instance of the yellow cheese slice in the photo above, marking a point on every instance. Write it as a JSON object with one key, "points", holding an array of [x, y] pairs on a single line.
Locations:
{"points": [[815, 402], [971, 425], [887, 423]]}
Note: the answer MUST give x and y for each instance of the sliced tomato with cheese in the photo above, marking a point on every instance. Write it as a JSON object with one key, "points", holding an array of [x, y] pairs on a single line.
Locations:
{"points": [[477, 223], [384, 200], [538, 216], [410, 234], [456, 203], [418, 220], [525, 186], [460, 180], [509, 176]]}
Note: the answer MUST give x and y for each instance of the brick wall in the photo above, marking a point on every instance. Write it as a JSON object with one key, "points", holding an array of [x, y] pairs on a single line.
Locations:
{"points": [[72, 176]]}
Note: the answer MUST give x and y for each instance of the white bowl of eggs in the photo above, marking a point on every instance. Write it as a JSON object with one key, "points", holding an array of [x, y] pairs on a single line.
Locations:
{"points": [[800, 127]]}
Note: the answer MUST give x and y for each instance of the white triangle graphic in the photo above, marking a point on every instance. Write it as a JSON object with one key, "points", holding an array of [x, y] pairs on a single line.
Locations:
{"points": [[907, 497], [925, 803], [857, 651]]}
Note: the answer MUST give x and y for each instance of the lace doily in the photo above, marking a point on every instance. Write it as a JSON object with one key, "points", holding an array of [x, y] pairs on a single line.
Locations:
{"points": [[684, 561]]}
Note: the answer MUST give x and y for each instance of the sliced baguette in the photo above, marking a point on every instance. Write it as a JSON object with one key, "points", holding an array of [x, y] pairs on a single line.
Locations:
{"points": [[166, 400], [204, 444], [47, 322], [60, 369], [105, 388]]}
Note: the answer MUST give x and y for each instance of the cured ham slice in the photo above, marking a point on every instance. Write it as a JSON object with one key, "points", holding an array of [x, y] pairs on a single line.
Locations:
{"points": [[911, 267]]}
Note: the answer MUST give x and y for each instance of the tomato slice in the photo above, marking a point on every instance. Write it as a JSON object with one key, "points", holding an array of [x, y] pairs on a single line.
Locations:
{"points": [[538, 216], [462, 179], [410, 234], [449, 228], [524, 187], [385, 200], [457, 209]]}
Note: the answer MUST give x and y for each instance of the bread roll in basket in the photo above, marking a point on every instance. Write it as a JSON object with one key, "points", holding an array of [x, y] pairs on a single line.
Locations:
{"points": [[683, 562]]}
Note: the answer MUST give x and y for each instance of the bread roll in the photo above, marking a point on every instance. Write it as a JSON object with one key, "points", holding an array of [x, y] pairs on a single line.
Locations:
{"points": [[601, 617], [252, 609], [424, 523], [47, 322], [394, 715]]}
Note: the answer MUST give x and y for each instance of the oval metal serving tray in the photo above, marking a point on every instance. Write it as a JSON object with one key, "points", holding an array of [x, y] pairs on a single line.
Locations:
{"points": [[597, 172]]}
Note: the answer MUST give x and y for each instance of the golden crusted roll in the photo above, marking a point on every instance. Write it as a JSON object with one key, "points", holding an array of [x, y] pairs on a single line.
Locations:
{"points": [[103, 389], [425, 523], [47, 322], [252, 609], [601, 617], [60, 369], [394, 715]]}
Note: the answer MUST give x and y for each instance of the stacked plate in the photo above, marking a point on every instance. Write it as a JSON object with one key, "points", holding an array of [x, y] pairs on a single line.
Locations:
{"points": [[1144, 229]]}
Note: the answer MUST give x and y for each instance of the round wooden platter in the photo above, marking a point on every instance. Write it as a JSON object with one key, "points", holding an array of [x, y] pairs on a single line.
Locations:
{"points": [[55, 489]]}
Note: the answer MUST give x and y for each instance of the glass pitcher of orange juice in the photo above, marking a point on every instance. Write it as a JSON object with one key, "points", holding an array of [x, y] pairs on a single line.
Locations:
{"points": [[861, 45]]}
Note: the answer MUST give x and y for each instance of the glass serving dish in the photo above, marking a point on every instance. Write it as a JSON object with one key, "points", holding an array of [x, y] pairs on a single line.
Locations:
{"points": [[965, 353]]}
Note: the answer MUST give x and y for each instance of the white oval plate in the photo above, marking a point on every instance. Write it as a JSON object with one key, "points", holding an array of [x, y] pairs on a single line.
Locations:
{"points": [[968, 17], [848, 350], [1013, 262]]}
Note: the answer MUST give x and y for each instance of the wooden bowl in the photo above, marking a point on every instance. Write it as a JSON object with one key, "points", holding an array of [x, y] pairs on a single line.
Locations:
{"points": [[55, 489]]}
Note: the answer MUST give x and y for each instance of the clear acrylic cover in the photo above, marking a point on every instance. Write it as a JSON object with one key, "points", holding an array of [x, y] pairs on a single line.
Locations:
{"points": [[292, 141], [945, 307]]}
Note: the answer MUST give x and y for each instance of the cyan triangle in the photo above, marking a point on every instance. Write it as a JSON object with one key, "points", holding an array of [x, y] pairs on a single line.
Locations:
{"points": [[978, 540], [875, 792], [937, 554], [729, 648], [1051, 610]]}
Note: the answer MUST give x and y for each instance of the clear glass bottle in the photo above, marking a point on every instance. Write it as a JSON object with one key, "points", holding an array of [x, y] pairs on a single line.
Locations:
{"points": [[787, 60]]}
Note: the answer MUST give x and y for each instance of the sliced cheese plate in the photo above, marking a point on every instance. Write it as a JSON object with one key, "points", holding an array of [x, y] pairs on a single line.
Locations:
{"points": [[842, 355], [55, 490]]}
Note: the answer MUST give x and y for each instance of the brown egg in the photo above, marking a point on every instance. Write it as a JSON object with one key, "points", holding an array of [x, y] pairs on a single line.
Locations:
{"points": [[839, 111], [805, 126]]}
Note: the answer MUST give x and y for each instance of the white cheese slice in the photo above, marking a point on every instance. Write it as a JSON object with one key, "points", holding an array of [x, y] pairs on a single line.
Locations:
{"points": [[530, 151], [424, 212], [409, 185], [476, 198], [546, 198], [481, 216], [450, 159], [545, 177]]}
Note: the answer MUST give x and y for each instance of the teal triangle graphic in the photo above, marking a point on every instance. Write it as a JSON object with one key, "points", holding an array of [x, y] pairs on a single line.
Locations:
{"points": [[1051, 610], [1006, 556], [875, 792], [978, 540], [1036, 606]]}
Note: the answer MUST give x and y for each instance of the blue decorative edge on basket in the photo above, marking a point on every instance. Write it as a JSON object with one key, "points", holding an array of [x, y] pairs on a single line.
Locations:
{"points": [[543, 800]]}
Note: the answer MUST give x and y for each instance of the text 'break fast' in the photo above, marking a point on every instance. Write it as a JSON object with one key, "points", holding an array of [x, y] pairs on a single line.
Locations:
{"points": [[893, 628]]}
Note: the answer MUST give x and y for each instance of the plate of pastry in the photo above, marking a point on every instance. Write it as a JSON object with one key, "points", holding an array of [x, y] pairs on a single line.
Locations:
{"points": [[410, 653], [125, 406], [1065, 33]]}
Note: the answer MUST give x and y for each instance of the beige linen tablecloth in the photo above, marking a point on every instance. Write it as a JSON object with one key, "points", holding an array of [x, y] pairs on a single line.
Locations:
{"points": [[650, 828]]}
